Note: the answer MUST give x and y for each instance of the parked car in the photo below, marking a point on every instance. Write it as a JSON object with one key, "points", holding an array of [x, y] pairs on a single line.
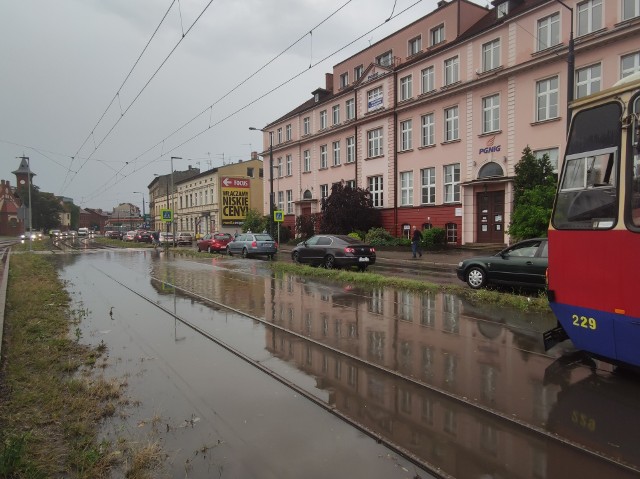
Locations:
{"points": [[166, 238], [184, 238], [83, 231], [113, 234], [54, 234], [214, 242], [129, 236], [253, 244], [522, 264], [334, 251], [143, 236]]}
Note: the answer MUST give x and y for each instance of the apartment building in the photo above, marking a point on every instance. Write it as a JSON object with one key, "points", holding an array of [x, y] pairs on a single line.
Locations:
{"points": [[433, 118]]}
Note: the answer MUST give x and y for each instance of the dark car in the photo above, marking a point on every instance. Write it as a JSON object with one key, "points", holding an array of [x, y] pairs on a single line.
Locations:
{"points": [[213, 242], [253, 244], [334, 251], [143, 237], [522, 264]]}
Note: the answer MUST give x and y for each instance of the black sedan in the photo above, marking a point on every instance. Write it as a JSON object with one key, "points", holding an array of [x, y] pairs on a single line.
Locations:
{"points": [[334, 251], [522, 264]]}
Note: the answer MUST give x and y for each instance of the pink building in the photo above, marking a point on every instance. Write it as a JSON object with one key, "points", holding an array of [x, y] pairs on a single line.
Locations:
{"points": [[433, 118]]}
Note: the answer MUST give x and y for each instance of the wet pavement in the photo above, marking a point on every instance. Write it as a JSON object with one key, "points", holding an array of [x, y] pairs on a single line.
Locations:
{"points": [[242, 373]]}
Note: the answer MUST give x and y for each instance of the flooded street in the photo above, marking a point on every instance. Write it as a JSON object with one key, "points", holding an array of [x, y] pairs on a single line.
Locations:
{"points": [[241, 373]]}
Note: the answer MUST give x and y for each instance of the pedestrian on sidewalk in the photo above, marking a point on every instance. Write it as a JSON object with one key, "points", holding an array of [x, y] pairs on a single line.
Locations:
{"points": [[416, 239]]}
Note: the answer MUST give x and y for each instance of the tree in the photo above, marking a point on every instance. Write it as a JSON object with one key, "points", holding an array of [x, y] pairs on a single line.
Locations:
{"points": [[254, 221], [348, 209], [534, 192], [45, 214]]}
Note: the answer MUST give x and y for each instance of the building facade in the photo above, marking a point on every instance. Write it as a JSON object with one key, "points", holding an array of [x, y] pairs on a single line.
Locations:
{"points": [[433, 119]]}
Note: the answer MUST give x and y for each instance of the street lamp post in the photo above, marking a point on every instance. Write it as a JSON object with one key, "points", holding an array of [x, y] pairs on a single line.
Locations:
{"points": [[29, 232], [270, 177], [173, 209], [143, 210], [571, 60]]}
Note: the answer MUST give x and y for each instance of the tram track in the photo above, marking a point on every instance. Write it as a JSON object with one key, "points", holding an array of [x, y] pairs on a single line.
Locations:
{"points": [[331, 409]]}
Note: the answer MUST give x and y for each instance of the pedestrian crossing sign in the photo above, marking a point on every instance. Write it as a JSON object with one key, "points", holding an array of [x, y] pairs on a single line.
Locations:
{"points": [[278, 216], [166, 215]]}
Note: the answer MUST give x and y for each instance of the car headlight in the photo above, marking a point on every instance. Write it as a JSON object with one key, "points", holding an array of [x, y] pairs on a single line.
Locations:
{"points": [[460, 264]]}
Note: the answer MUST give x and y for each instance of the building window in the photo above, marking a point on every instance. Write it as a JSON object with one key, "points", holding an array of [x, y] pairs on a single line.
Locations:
{"points": [[452, 233], [428, 130], [324, 191], [323, 119], [428, 178], [306, 125], [287, 132], [415, 45], [374, 142], [280, 200], [451, 74], [351, 184], [384, 59], [357, 72], [491, 113], [552, 153], [428, 80], [452, 183], [344, 80], [289, 202], [249, 174], [375, 188], [437, 35], [279, 168], [491, 55], [588, 80], [323, 157], [336, 114], [547, 99], [279, 135], [548, 31], [350, 106], [406, 88], [629, 64], [374, 99], [451, 131], [289, 165], [336, 153], [405, 135], [406, 188], [351, 149], [630, 9], [306, 163], [502, 9], [589, 16]]}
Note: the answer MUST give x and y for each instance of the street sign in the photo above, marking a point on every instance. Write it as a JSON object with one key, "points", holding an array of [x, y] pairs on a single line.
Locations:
{"points": [[278, 216], [166, 215]]}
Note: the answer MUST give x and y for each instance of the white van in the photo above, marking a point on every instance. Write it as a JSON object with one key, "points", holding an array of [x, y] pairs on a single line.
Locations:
{"points": [[83, 231]]}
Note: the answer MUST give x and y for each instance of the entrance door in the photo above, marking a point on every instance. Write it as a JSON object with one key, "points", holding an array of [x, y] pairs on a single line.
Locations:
{"points": [[490, 217]]}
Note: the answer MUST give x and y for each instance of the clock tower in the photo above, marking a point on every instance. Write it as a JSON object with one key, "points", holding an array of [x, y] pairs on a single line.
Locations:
{"points": [[22, 173]]}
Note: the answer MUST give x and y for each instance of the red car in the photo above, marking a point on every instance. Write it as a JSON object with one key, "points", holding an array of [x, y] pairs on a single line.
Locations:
{"points": [[214, 242]]}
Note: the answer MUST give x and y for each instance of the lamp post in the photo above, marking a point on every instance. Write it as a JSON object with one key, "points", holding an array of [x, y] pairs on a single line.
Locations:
{"points": [[173, 212], [270, 177], [29, 232], [571, 60], [143, 211]]}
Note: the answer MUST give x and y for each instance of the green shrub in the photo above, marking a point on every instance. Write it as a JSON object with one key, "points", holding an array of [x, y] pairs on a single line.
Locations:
{"points": [[379, 237], [355, 235], [434, 238]]}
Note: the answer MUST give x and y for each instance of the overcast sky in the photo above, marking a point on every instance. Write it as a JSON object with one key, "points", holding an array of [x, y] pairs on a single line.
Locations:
{"points": [[63, 62]]}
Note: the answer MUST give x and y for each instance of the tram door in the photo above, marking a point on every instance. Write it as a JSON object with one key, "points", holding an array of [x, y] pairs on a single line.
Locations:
{"points": [[490, 217]]}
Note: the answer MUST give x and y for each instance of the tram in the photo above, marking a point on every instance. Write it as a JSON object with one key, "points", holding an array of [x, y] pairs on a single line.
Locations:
{"points": [[594, 234]]}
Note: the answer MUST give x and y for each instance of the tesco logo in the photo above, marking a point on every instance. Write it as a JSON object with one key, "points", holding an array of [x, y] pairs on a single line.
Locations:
{"points": [[490, 149]]}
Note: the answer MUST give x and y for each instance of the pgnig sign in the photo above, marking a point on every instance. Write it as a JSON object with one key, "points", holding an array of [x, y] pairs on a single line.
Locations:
{"points": [[235, 200], [489, 149]]}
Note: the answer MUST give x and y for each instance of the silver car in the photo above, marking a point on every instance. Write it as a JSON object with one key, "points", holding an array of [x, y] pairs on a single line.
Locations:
{"points": [[253, 244]]}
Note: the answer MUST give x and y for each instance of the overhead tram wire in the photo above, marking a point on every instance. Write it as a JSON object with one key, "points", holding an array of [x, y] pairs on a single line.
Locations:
{"points": [[105, 187], [143, 88], [119, 90]]}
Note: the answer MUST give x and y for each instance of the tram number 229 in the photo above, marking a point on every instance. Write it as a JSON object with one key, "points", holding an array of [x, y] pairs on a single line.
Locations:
{"points": [[583, 322]]}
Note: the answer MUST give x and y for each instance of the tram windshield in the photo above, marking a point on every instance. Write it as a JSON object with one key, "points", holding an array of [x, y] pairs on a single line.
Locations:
{"points": [[635, 182]]}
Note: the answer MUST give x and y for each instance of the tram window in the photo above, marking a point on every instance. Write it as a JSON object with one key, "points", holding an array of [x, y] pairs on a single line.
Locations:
{"points": [[635, 182]]}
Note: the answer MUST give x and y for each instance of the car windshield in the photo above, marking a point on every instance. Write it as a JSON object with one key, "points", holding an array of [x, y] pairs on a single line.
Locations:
{"points": [[263, 237]]}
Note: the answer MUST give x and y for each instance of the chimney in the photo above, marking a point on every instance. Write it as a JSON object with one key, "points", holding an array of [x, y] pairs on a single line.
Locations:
{"points": [[328, 77], [442, 3], [254, 155]]}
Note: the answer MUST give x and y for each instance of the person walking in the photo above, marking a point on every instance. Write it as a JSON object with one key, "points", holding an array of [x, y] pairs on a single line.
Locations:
{"points": [[416, 239]]}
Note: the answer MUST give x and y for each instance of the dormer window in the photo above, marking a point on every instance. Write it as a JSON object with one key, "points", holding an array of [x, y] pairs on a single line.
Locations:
{"points": [[502, 9], [316, 97], [384, 59]]}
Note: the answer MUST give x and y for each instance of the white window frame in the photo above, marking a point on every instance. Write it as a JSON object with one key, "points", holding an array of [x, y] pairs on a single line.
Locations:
{"points": [[323, 119], [351, 149], [374, 143], [451, 183], [428, 129], [287, 132], [306, 161], [548, 31], [324, 157], [452, 70], [350, 109], [491, 113], [502, 9], [436, 35], [306, 125], [289, 202], [588, 80], [414, 46], [289, 165], [630, 9], [427, 77], [279, 135], [279, 167], [451, 123], [428, 185], [386, 59], [336, 153], [589, 17], [547, 99], [491, 55], [324, 191], [634, 60], [406, 188], [376, 188], [552, 153], [406, 135], [335, 114], [372, 96], [358, 72], [406, 87], [344, 80], [280, 200]]}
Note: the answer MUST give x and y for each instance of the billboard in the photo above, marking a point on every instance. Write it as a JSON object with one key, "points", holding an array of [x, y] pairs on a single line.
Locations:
{"points": [[235, 200]]}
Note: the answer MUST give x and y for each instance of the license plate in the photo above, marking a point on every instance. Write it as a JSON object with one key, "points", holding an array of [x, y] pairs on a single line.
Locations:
{"points": [[363, 259]]}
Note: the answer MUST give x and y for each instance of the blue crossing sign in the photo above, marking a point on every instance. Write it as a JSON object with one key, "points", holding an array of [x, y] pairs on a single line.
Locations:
{"points": [[278, 216], [166, 215]]}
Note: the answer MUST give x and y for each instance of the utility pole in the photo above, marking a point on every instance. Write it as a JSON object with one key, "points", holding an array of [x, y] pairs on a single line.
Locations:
{"points": [[26, 158], [173, 210]]}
